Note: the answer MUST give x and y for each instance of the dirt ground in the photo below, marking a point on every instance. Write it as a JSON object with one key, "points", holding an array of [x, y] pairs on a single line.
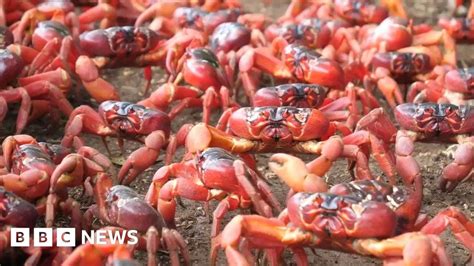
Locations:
{"points": [[193, 223]]}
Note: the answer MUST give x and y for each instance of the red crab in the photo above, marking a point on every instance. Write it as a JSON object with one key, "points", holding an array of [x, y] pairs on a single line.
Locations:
{"points": [[229, 40], [214, 174], [368, 217], [124, 120], [121, 206], [288, 129], [313, 33], [314, 96], [30, 166], [52, 52], [390, 70], [38, 94], [450, 85], [62, 12], [393, 34], [297, 62], [294, 94], [429, 122], [126, 46], [200, 68]]}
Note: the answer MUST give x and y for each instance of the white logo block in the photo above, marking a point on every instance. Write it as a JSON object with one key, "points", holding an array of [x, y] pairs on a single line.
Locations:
{"points": [[66, 237], [43, 237], [19, 237]]}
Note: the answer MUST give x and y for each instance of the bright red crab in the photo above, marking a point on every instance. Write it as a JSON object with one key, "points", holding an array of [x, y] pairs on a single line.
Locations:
{"points": [[124, 120], [30, 166], [121, 206], [312, 33], [126, 46], [288, 129], [428, 122], [368, 217], [294, 94], [297, 62], [52, 49], [63, 12], [390, 70], [393, 34], [208, 84], [214, 174], [312, 96], [38, 94], [231, 39], [449, 85]]}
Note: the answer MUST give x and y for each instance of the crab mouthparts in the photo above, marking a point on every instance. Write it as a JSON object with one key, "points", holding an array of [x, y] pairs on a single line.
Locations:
{"points": [[125, 125]]}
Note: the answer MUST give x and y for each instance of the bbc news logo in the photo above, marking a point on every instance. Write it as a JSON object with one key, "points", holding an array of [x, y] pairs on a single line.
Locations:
{"points": [[66, 237]]}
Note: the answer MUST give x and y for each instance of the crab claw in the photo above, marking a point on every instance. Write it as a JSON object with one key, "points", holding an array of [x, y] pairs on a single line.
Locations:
{"points": [[142, 158], [293, 171], [460, 169], [97, 87], [72, 171], [9, 145]]}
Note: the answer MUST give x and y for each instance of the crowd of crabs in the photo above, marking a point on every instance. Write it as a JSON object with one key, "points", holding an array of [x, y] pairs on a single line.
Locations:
{"points": [[350, 79]]}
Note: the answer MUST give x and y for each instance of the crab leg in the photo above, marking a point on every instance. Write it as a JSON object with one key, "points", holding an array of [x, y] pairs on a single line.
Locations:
{"points": [[411, 248], [264, 60], [34, 182], [75, 125], [407, 166], [258, 202], [104, 12], [259, 182], [212, 137], [96, 86], [185, 188], [284, 166], [58, 77], [462, 166], [174, 241], [381, 154], [142, 158], [168, 93], [44, 57], [260, 232], [461, 226]]}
